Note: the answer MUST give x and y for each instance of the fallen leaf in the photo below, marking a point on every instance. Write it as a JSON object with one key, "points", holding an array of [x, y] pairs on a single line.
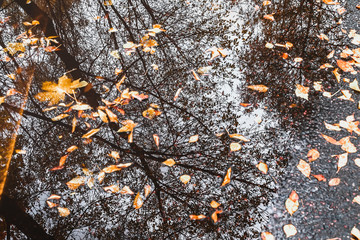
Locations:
{"points": [[63, 212], [54, 196], [239, 137], [112, 188], [330, 139], [59, 117], [304, 168], [290, 230], [91, 132], [74, 183], [227, 177], [185, 178], [138, 202], [319, 177], [345, 66], [259, 88], [114, 155], [195, 75], [197, 217], [267, 236], [292, 203], [101, 176], [302, 91], [194, 138], [156, 139], [332, 127], [334, 182], [214, 216], [214, 204], [347, 146], [177, 94], [355, 232], [90, 182], [313, 154], [169, 162], [262, 167], [269, 17], [147, 190], [235, 146], [357, 162], [330, 2], [354, 85], [126, 190], [51, 204], [357, 199], [111, 168], [72, 148]]}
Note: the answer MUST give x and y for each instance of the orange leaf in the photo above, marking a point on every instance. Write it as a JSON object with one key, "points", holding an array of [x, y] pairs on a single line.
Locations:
{"points": [[292, 203], [214, 204], [345, 66], [227, 177], [259, 88], [91, 132], [267, 236], [262, 167], [51, 204], [62, 160], [289, 230], [111, 168], [304, 168], [330, 2], [269, 17], [72, 148], [126, 190], [169, 162], [54, 196], [63, 212], [112, 188], [147, 190], [330, 139], [197, 217], [194, 138], [138, 202], [319, 177], [185, 178], [74, 183], [313, 154], [214, 215], [156, 139], [334, 182], [177, 94], [195, 75], [235, 146], [302, 91]]}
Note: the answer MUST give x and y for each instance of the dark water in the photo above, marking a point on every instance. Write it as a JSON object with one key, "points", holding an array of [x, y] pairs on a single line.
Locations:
{"points": [[290, 126]]}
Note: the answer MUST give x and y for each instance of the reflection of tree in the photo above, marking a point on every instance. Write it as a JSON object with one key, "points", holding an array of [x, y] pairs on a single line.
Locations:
{"points": [[83, 50]]}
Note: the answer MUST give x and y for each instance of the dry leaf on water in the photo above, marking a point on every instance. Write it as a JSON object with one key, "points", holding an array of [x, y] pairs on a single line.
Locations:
{"points": [[292, 203], [334, 182], [304, 168], [138, 202], [267, 236], [197, 217], [262, 167], [259, 88], [63, 212], [313, 154], [169, 162], [227, 177], [185, 178]]}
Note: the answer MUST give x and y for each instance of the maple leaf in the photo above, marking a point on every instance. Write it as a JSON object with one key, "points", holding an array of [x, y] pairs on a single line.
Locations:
{"points": [[54, 93]]}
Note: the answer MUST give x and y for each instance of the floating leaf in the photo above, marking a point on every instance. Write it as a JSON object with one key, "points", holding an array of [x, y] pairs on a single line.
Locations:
{"points": [[319, 177], [304, 168], [214, 216], [332, 127], [345, 66], [111, 168], [91, 132], [289, 230], [147, 190], [72, 148], [51, 204], [227, 177], [156, 139], [269, 17], [357, 199], [355, 232], [239, 137], [169, 162], [185, 178]]}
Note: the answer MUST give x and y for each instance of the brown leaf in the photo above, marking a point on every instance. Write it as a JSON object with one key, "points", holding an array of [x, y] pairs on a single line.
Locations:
{"points": [[63, 212], [138, 202], [169, 162], [214, 204], [259, 88]]}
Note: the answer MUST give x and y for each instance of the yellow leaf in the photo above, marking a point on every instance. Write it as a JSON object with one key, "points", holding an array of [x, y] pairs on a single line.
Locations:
{"points": [[74, 183], [290, 230], [13, 48], [63, 212], [227, 177], [102, 116], [90, 133], [269, 17], [259, 88], [169, 162], [129, 125], [304, 168], [138, 202], [72, 148], [185, 178], [330, 2], [54, 196]]}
